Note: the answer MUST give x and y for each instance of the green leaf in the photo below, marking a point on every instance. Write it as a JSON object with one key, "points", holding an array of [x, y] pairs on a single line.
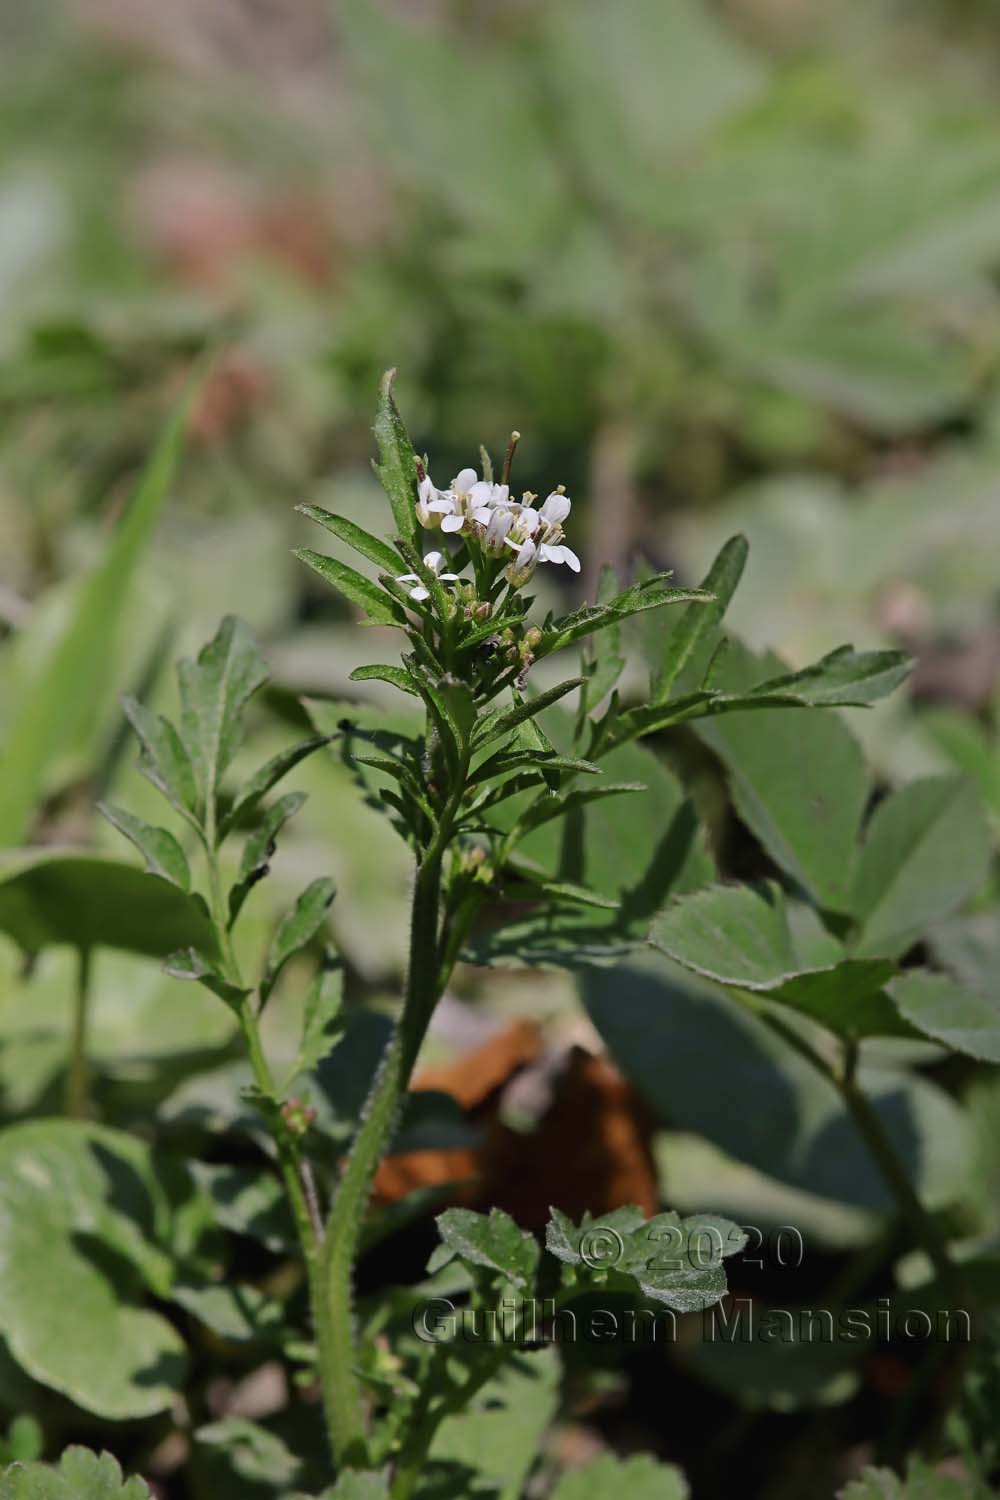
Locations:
{"points": [[603, 661], [499, 1432], [397, 466], [190, 963], [322, 1021], [927, 850], [264, 779], [740, 937], [650, 594], [214, 692], [90, 901], [611, 1478], [79, 1475], [492, 1241], [259, 848], [921, 1483], [686, 1049], [380, 553], [249, 1201], [503, 721], [698, 627], [68, 694], [368, 596], [843, 678], [556, 806], [251, 1452], [297, 928], [799, 783], [239, 1313], [398, 677], [84, 1223], [963, 1019], [161, 851], [164, 760]]}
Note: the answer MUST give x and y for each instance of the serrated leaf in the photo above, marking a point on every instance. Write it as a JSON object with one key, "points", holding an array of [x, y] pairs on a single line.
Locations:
{"points": [[215, 689], [297, 928], [85, 1221], [844, 678], [740, 937], [79, 1475], [611, 1478], [963, 1019], [927, 850], [90, 901], [921, 1483], [650, 594], [259, 848], [492, 1241], [376, 551], [265, 778], [368, 596], [192, 964], [697, 628], [546, 808], [164, 761], [161, 851], [397, 466]]}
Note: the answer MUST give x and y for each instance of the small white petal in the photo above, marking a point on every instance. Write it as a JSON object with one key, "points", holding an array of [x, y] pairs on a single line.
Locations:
{"points": [[419, 592], [442, 507], [452, 523], [432, 560], [481, 493], [570, 559], [464, 480], [449, 577], [556, 508], [483, 515], [407, 578]]}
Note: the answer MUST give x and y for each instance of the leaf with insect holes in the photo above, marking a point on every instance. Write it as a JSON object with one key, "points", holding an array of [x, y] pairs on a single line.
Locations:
{"points": [[79, 1475], [743, 938], [215, 690], [492, 1241], [368, 596], [259, 848], [269, 774], [161, 851], [297, 928], [189, 963]]}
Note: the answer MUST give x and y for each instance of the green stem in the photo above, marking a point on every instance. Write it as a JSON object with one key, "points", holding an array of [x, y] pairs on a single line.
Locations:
{"points": [[78, 1074]]}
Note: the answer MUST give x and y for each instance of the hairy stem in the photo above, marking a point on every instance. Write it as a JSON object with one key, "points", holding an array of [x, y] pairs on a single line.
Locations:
{"points": [[78, 1073]]}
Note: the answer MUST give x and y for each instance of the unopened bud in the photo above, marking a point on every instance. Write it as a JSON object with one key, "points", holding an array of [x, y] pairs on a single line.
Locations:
{"points": [[298, 1116], [482, 610], [532, 637]]}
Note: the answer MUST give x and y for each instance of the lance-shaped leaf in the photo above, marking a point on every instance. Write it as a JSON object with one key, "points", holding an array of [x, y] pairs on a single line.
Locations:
{"points": [[492, 1241], [70, 692], [927, 850], [965, 1020], [693, 637], [556, 806], [79, 1475], [259, 848], [214, 692], [368, 596], [164, 761], [397, 466], [603, 659], [502, 721], [269, 774], [370, 547], [398, 677], [742, 938], [88, 901], [322, 1021], [297, 928], [161, 851], [651, 593], [190, 963]]}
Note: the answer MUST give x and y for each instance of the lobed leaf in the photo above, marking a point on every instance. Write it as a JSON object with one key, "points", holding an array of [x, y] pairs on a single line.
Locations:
{"points": [[215, 689], [492, 1241], [297, 928], [165, 761], [259, 848], [161, 851], [269, 774], [79, 1475]]}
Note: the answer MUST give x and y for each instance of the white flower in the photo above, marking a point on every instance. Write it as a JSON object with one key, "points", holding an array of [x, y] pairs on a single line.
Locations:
{"points": [[520, 569], [432, 504], [468, 494], [556, 508], [559, 554], [434, 561]]}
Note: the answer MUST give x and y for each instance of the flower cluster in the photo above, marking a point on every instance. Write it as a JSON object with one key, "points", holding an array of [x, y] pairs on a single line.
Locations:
{"points": [[485, 513]]}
